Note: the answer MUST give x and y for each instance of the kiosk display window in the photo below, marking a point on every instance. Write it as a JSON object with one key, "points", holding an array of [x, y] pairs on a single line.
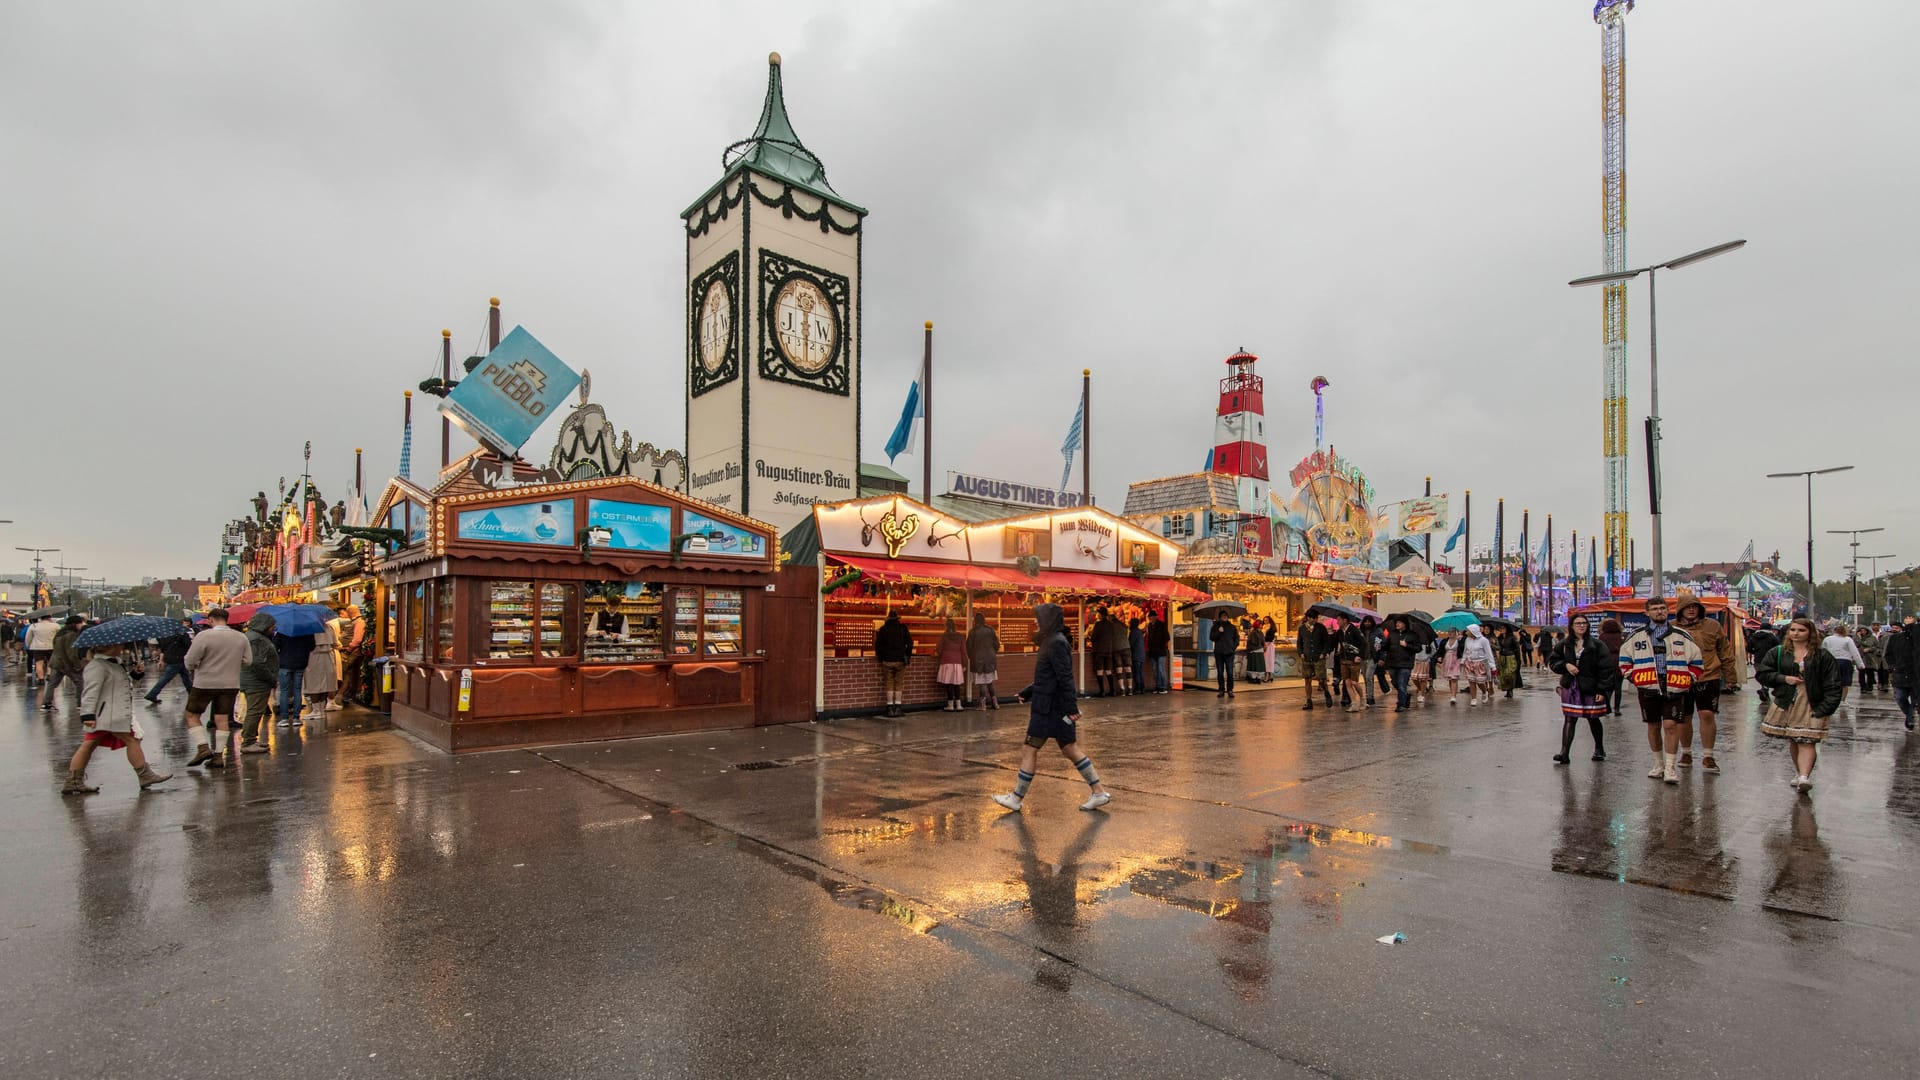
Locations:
{"points": [[443, 620], [720, 625], [416, 615], [623, 622]]}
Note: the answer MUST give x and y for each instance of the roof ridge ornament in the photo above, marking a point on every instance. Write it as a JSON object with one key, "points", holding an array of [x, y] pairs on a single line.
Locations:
{"points": [[774, 147]]}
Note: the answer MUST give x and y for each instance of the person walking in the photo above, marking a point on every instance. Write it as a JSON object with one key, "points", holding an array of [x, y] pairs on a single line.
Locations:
{"points": [[1399, 649], [214, 660], [39, 643], [1350, 650], [173, 658], [1453, 652], [1839, 642], [1226, 642], [1506, 648], [893, 649], [1902, 654], [1614, 637], [950, 670], [1759, 640], [106, 720], [1159, 653], [1314, 645], [1663, 663], [1587, 670], [295, 651], [322, 677], [1868, 642], [1256, 642], [1703, 701], [1270, 632], [1885, 635], [1055, 712], [259, 679], [1477, 662], [983, 661], [1806, 680], [1370, 655], [1113, 655], [64, 663], [1544, 646]]}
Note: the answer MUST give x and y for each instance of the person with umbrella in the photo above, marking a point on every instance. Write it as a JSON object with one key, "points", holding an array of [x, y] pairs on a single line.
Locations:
{"points": [[259, 678], [106, 701], [173, 657], [1226, 642]]}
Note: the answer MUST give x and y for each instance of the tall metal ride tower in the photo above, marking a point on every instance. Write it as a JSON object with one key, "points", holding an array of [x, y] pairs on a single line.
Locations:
{"points": [[1612, 17]]}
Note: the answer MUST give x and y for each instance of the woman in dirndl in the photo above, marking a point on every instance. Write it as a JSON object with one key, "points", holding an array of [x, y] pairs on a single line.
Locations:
{"points": [[1588, 672], [1476, 663], [983, 661], [1806, 684], [1453, 646], [951, 656], [1256, 645]]}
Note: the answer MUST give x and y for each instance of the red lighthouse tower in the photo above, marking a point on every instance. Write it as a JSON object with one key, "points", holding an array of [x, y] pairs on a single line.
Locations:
{"points": [[1240, 450]]}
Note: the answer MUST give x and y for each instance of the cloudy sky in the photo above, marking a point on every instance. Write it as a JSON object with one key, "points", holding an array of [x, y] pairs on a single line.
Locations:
{"points": [[230, 228]]}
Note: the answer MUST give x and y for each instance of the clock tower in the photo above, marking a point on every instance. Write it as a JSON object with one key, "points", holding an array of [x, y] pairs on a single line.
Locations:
{"points": [[1240, 450], [773, 329]]}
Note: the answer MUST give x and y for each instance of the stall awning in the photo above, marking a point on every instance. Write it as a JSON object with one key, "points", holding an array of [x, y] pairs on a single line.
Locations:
{"points": [[968, 576]]}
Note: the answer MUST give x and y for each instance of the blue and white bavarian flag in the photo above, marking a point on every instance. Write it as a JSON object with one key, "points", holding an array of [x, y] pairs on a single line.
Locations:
{"points": [[906, 434], [1075, 441]]}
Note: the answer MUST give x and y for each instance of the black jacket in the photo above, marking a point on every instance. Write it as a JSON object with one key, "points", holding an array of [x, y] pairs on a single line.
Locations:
{"points": [[1256, 641], [1355, 644], [1226, 638], [1052, 692], [1398, 649], [1314, 642], [1158, 639], [1597, 671], [1903, 656], [893, 642], [173, 650], [1822, 678]]}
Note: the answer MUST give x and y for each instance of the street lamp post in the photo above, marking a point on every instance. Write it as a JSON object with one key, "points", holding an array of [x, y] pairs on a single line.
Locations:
{"points": [[1873, 575], [38, 577], [1853, 573], [1653, 396], [1809, 474]]}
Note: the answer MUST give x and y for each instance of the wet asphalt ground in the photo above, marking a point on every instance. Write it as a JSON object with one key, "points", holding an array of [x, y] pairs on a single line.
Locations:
{"points": [[841, 899]]}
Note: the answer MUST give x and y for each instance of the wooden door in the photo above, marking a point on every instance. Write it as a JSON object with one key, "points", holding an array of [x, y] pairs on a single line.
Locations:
{"points": [[786, 641]]}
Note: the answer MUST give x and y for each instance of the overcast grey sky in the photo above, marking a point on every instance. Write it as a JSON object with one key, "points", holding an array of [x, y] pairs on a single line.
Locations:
{"points": [[233, 227]]}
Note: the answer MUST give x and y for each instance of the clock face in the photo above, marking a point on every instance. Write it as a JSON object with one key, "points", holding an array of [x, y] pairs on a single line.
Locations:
{"points": [[715, 322], [806, 325]]}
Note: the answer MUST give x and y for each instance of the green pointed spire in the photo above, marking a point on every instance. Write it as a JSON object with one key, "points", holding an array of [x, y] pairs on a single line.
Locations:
{"points": [[775, 150]]}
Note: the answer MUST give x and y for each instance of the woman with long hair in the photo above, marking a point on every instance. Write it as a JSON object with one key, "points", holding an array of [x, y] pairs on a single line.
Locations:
{"points": [[1588, 673], [1807, 689], [983, 661], [1847, 659], [951, 655]]}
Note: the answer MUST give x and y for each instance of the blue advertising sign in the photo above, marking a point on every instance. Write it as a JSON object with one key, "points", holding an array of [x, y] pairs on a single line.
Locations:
{"points": [[632, 526], [416, 523], [520, 523], [712, 537], [504, 400]]}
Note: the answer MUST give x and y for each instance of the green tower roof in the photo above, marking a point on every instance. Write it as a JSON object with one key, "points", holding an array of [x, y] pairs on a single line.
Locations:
{"points": [[775, 151]]}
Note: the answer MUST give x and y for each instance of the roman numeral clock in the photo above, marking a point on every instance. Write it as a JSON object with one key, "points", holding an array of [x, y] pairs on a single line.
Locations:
{"points": [[773, 318]]}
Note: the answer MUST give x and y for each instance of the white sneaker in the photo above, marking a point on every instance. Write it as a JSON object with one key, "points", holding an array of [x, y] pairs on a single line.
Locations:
{"points": [[1658, 772], [1796, 782], [1010, 801], [1096, 801], [1473, 702], [1805, 783], [1454, 700], [1670, 774]]}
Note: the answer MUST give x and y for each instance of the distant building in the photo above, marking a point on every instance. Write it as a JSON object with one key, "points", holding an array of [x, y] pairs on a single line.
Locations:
{"points": [[186, 590], [1197, 506]]}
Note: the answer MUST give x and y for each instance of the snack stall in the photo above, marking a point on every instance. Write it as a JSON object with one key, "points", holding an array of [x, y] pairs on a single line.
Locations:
{"points": [[893, 554], [542, 611]]}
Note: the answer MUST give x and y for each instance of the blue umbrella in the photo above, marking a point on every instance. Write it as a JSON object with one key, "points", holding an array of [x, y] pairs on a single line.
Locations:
{"points": [[127, 630], [294, 620], [1456, 620]]}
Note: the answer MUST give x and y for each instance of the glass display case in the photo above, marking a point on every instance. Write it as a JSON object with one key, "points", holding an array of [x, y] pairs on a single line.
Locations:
{"points": [[443, 620], [509, 620], [556, 630], [686, 622], [720, 624]]}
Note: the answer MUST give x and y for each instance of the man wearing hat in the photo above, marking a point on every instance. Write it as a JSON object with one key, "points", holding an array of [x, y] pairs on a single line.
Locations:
{"points": [[352, 653], [64, 663]]}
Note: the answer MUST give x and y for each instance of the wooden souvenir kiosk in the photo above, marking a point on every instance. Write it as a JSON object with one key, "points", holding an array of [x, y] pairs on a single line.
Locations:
{"points": [[554, 612]]}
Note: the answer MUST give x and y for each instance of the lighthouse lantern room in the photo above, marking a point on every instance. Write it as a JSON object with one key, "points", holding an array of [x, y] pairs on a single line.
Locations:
{"points": [[1240, 450]]}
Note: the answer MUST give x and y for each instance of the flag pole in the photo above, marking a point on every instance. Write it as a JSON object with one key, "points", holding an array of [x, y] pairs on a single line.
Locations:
{"points": [[1086, 437], [493, 323], [926, 421], [446, 376], [1549, 569], [1500, 554], [1526, 567], [1467, 576], [1429, 493], [1573, 573]]}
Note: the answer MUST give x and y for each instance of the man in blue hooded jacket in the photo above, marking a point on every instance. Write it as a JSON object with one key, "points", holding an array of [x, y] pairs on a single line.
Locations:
{"points": [[1055, 711]]}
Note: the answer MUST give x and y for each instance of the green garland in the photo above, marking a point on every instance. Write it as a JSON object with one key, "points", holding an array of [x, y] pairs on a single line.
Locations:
{"points": [[841, 582]]}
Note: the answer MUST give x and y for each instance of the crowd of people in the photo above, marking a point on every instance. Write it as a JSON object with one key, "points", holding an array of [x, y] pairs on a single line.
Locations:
{"points": [[242, 681]]}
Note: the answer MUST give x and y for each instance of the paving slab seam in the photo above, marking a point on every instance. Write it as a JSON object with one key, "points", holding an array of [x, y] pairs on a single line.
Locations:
{"points": [[806, 867]]}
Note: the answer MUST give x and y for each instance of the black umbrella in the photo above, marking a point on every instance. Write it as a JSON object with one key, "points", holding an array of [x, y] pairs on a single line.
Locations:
{"points": [[1419, 624], [127, 630], [1215, 609], [41, 613], [1325, 608]]}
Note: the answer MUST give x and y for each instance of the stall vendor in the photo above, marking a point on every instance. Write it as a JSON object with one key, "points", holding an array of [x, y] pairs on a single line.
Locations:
{"points": [[607, 622]]}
